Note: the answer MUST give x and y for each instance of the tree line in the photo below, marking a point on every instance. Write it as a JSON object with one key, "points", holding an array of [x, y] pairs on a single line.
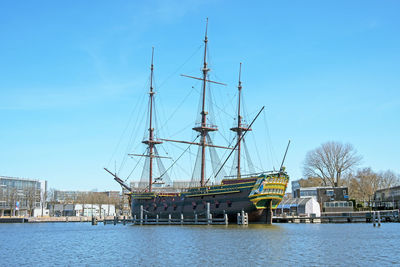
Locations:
{"points": [[337, 164], [84, 198]]}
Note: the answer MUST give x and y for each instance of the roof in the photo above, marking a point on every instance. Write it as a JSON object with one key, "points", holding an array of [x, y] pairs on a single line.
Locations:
{"points": [[387, 189], [292, 202]]}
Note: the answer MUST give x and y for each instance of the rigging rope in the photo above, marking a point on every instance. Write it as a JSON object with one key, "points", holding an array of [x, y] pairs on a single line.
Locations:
{"points": [[270, 148], [173, 163], [180, 67], [178, 107], [161, 169], [140, 159], [215, 161]]}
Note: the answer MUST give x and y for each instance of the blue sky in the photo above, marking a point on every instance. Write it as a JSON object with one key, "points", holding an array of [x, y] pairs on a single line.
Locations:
{"points": [[72, 75]]}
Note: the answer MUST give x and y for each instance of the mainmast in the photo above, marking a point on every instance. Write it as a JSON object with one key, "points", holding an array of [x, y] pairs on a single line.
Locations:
{"points": [[151, 142], [203, 129], [240, 128]]}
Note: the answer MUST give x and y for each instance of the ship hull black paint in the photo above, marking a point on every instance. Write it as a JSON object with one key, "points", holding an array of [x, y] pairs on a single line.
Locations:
{"points": [[229, 204]]}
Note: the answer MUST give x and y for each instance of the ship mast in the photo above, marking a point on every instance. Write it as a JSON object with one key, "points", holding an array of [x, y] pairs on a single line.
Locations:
{"points": [[151, 142], [240, 128], [204, 129]]}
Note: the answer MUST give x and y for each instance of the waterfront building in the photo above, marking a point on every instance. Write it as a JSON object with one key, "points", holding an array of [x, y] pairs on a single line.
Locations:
{"points": [[113, 194], [67, 196], [388, 198], [338, 206], [75, 203], [59, 210], [21, 196], [299, 207], [71, 196], [324, 194]]}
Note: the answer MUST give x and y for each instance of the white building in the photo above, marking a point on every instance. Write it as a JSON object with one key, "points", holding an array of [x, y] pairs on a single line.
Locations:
{"points": [[94, 210], [299, 206]]}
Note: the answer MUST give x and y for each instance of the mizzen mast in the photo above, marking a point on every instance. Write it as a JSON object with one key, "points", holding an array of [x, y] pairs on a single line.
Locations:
{"points": [[240, 128], [151, 142]]}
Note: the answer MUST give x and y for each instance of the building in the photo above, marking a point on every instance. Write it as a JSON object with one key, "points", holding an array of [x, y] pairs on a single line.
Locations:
{"points": [[64, 202], [71, 196], [113, 194], [95, 210], [323, 195], [299, 207], [388, 198], [67, 196], [20, 196], [338, 206], [83, 210]]}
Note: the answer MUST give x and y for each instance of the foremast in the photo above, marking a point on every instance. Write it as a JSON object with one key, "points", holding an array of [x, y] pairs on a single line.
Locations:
{"points": [[151, 142]]}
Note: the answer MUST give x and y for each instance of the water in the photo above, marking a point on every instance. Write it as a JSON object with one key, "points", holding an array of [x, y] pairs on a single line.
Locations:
{"points": [[81, 244]]}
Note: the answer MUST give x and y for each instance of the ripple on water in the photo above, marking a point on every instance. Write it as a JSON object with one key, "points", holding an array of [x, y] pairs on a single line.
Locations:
{"points": [[71, 244]]}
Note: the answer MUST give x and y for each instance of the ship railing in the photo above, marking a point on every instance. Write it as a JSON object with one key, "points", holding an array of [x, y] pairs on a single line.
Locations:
{"points": [[161, 190], [250, 174], [208, 125]]}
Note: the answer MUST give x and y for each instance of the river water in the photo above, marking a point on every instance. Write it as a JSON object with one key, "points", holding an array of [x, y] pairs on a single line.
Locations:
{"points": [[81, 244]]}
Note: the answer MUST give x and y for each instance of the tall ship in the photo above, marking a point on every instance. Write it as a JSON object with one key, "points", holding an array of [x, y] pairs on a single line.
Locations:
{"points": [[256, 194]]}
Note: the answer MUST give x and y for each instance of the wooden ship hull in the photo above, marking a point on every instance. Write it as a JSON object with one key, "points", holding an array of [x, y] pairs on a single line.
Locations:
{"points": [[255, 195]]}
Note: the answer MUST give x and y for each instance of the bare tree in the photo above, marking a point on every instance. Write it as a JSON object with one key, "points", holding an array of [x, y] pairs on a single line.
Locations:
{"points": [[3, 198], [52, 199], [12, 198], [83, 198], [91, 200], [43, 200], [363, 184], [388, 179], [311, 182], [31, 197], [330, 162]]}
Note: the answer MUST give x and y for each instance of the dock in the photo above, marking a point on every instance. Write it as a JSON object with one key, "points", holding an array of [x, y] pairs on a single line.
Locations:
{"points": [[13, 220], [163, 221], [341, 217]]}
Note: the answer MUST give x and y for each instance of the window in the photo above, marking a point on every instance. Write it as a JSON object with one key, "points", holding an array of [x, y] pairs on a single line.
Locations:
{"points": [[329, 192]]}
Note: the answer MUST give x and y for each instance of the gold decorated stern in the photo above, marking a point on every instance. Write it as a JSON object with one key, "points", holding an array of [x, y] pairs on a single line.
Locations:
{"points": [[269, 188]]}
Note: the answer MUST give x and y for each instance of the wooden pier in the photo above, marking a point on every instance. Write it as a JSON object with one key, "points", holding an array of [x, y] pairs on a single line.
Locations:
{"points": [[163, 221], [144, 219], [342, 217], [13, 220]]}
